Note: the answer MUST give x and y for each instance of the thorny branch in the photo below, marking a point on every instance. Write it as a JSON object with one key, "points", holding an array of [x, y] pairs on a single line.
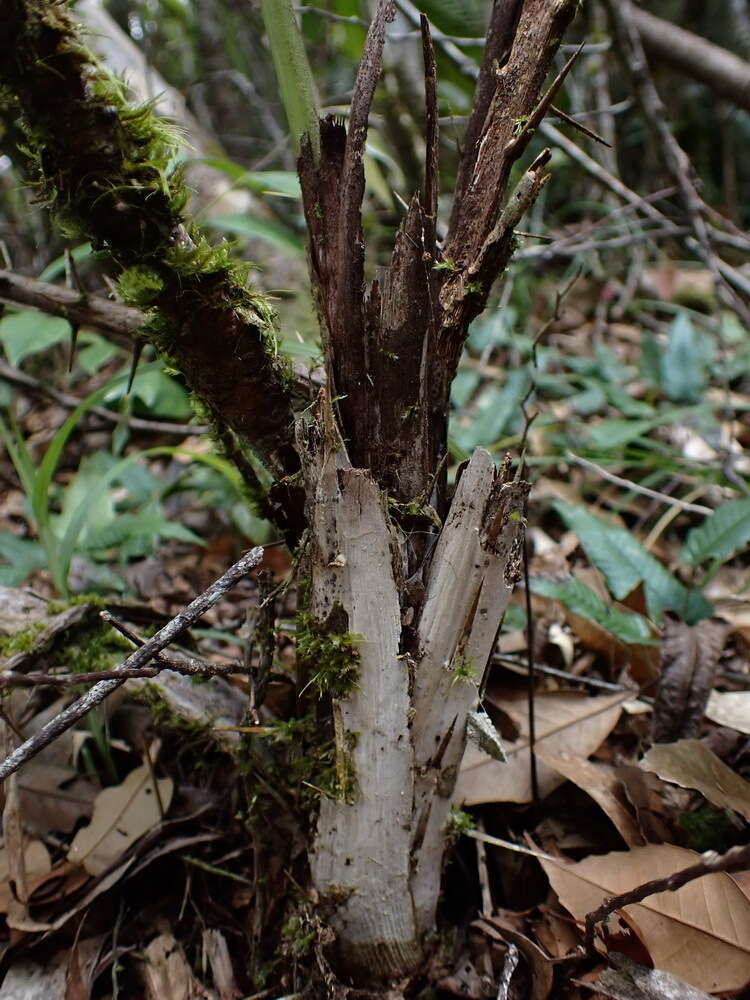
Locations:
{"points": [[736, 859], [150, 649]]}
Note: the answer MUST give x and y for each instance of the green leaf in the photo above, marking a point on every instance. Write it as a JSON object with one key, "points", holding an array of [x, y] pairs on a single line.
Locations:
{"points": [[253, 227], [162, 395], [144, 527], [683, 364], [293, 72], [722, 534], [464, 18], [56, 268], [496, 407], [95, 353], [582, 600], [281, 183], [624, 563], [20, 557], [28, 332]]}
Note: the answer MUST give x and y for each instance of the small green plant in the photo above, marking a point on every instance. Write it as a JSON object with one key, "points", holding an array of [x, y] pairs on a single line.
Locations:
{"points": [[75, 529], [446, 265], [334, 657], [458, 824], [464, 671]]}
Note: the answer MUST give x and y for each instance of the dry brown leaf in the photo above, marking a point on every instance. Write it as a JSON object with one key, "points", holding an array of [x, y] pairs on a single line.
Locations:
{"points": [[540, 965], [691, 764], [167, 974], [36, 862], [689, 657], [217, 951], [731, 709], [559, 936], [701, 933], [566, 722], [600, 781], [121, 815]]}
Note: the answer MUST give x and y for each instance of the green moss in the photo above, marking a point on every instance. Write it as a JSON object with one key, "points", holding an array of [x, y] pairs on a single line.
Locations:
{"points": [[464, 671], [334, 657], [709, 829], [140, 285], [95, 600], [22, 641], [94, 647], [457, 824]]}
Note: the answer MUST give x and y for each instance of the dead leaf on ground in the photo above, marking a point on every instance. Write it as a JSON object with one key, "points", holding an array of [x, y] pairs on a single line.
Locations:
{"points": [[539, 964], [121, 815], [691, 764], [217, 951], [36, 863], [167, 975], [558, 935], [53, 797], [701, 933], [644, 791], [566, 722], [600, 781], [731, 709], [690, 654]]}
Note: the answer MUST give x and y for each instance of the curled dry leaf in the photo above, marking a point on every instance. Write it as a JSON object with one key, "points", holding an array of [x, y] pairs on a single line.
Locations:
{"points": [[701, 933], [691, 764], [731, 709], [690, 654], [121, 815], [566, 722], [600, 781], [539, 964]]}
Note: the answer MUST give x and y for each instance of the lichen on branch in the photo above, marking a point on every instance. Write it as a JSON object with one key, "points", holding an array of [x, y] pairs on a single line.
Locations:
{"points": [[109, 173]]}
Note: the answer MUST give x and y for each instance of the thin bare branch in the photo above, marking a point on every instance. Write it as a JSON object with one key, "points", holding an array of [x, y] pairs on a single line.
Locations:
{"points": [[70, 715], [691, 508], [736, 859]]}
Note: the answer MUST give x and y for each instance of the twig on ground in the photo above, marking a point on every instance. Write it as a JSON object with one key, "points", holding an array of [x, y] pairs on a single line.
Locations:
{"points": [[509, 967], [16, 377], [691, 508], [96, 695], [736, 859]]}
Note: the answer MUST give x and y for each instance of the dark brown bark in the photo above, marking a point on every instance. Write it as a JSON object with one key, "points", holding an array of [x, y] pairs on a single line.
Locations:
{"points": [[393, 350], [500, 33]]}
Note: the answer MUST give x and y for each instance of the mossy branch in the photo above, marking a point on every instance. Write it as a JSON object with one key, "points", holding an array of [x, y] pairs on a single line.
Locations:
{"points": [[108, 172]]}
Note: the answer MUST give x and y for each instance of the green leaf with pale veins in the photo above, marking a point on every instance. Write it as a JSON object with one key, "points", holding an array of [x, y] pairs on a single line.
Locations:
{"points": [[624, 563], [577, 597], [721, 535]]}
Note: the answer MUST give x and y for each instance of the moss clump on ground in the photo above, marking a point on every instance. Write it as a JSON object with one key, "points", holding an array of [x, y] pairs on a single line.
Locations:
{"points": [[22, 641]]}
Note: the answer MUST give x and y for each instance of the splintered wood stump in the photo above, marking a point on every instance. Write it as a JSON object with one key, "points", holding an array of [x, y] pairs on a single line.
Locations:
{"points": [[402, 730]]}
